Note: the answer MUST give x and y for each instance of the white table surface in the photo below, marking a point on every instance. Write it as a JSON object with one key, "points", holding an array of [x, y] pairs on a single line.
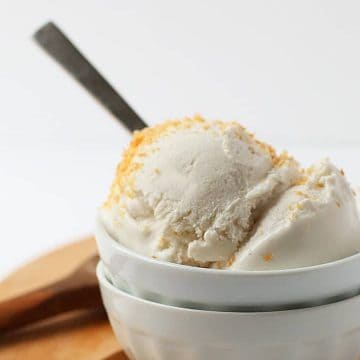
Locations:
{"points": [[287, 70]]}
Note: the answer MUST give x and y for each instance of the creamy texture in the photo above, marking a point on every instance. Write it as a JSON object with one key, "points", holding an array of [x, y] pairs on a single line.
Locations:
{"points": [[190, 191], [209, 194], [312, 223]]}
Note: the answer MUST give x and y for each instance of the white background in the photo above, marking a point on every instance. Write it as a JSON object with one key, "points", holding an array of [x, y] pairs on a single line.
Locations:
{"points": [[288, 70]]}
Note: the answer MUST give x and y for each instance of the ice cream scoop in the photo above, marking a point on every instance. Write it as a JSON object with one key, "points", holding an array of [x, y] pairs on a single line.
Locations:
{"points": [[314, 222], [209, 194], [190, 191]]}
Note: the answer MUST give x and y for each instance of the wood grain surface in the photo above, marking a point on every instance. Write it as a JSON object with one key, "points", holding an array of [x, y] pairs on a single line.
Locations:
{"points": [[79, 335]]}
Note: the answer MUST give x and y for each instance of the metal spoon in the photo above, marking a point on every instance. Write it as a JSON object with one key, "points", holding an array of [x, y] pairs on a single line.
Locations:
{"points": [[60, 48]]}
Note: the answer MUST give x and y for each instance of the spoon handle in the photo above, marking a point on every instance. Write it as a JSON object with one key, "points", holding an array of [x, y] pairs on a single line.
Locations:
{"points": [[46, 302], [57, 45]]}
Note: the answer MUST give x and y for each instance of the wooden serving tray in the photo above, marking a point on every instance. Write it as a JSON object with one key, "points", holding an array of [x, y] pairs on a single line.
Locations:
{"points": [[80, 335]]}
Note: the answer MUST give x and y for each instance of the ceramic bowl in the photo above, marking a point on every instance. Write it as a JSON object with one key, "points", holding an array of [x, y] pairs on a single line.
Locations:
{"points": [[148, 330], [226, 290]]}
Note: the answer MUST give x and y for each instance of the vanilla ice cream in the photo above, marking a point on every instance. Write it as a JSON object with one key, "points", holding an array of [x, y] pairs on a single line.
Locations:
{"points": [[190, 191], [314, 222], [209, 194]]}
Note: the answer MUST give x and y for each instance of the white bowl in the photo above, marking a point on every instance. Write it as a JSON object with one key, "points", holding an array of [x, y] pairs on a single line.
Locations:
{"points": [[200, 288], [149, 330]]}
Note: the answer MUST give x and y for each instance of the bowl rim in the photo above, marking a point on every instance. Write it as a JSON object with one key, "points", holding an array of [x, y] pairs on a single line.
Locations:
{"points": [[100, 274], [223, 272]]}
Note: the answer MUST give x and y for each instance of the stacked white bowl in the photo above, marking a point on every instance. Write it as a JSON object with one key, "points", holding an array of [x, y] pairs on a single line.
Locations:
{"points": [[163, 311]]}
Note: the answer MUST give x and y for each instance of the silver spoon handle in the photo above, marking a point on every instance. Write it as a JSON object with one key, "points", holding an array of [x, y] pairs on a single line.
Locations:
{"points": [[59, 47]]}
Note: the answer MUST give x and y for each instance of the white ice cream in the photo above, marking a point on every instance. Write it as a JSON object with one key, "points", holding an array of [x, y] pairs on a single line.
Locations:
{"points": [[209, 194], [189, 191], [311, 223]]}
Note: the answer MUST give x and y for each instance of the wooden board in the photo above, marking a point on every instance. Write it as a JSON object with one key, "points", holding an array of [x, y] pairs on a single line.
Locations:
{"points": [[81, 335]]}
